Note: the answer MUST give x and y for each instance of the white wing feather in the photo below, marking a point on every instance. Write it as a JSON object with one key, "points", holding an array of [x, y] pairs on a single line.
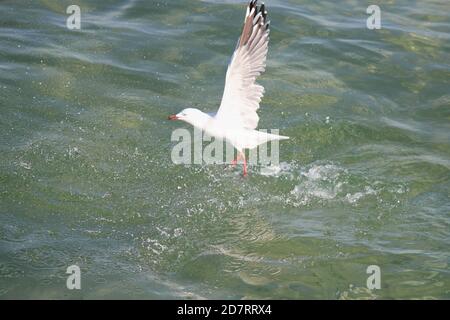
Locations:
{"points": [[242, 95]]}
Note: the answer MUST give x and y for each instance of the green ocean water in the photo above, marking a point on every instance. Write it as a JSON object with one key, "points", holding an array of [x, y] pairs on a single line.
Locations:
{"points": [[86, 176]]}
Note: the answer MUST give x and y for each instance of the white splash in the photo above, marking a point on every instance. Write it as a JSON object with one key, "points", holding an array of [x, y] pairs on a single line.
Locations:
{"points": [[275, 170]]}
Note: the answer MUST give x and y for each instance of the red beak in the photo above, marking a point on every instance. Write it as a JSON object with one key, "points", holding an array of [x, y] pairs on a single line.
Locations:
{"points": [[173, 117]]}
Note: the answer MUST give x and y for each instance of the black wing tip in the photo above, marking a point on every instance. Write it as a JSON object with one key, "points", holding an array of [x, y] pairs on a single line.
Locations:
{"points": [[256, 17], [262, 8], [263, 11], [252, 4]]}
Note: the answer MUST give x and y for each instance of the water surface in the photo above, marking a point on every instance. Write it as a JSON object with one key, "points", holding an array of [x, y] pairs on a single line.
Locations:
{"points": [[86, 176]]}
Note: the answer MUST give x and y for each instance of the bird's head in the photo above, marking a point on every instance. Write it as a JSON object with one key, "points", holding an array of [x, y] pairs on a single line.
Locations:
{"points": [[190, 115]]}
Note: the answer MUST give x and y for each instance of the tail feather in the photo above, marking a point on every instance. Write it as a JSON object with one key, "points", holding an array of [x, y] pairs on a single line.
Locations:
{"points": [[277, 137], [259, 137]]}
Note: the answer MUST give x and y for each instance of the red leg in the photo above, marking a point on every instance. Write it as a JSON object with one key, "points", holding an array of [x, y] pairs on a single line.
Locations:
{"points": [[235, 161], [245, 165]]}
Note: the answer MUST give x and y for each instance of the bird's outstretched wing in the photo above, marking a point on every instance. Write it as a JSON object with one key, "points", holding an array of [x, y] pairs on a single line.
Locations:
{"points": [[241, 94]]}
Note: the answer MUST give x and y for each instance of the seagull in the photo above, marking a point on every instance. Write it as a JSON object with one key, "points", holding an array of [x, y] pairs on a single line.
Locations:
{"points": [[236, 118]]}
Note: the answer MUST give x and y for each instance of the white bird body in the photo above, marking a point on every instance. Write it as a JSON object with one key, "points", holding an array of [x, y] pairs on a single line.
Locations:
{"points": [[239, 137], [237, 119]]}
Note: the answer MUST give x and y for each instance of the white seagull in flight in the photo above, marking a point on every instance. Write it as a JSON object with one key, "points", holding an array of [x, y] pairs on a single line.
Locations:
{"points": [[236, 119]]}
